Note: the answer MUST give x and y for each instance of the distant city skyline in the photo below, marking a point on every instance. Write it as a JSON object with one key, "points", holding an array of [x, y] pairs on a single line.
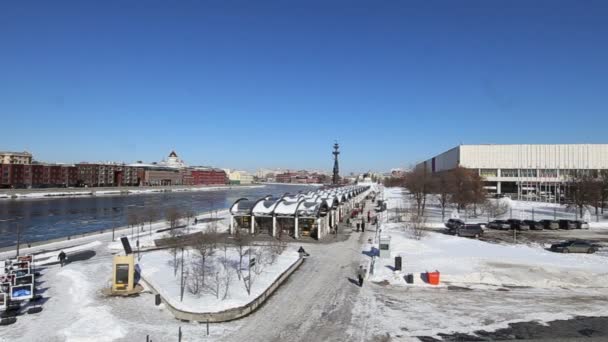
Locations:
{"points": [[246, 85]]}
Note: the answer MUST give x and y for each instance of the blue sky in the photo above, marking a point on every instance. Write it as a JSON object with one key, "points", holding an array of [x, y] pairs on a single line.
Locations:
{"points": [[272, 84]]}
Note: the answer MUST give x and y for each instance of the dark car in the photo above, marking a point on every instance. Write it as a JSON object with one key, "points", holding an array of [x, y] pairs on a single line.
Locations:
{"points": [[575, 246], [567, 224], [499, 224], [454, 223], [534, 225], [517, 224], [467, 230], [550, 224]]}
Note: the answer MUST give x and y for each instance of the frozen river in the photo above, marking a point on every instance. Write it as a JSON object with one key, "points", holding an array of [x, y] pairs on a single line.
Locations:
{"points": [[45, 219]]}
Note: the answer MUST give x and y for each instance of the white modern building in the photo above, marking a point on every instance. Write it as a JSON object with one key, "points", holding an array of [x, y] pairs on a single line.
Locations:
{"points": [[525, 171]]}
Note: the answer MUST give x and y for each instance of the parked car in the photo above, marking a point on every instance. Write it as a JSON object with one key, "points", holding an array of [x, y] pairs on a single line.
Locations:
{"points": [[522, 225], [567, 224], [454, 223], [518, 224], [534, 225], [467, 230], [582, 224], [550, 224], [499, 224], [575, 246]]}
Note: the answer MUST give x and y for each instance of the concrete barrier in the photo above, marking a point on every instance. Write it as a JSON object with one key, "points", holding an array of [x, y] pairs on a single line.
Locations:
{"points": [[230, 314]]}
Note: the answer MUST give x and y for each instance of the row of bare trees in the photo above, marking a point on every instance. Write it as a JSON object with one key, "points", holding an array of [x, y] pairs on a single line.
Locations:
{"points": [[460, 186], [588, 191], [207, 277]]}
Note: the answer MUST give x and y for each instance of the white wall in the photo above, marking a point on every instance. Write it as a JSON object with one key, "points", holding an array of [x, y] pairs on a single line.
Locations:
{"points": [[575, 156]]}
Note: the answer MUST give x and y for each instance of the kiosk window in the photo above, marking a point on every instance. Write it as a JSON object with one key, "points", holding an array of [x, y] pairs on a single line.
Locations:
{"points": [[122, 273]]}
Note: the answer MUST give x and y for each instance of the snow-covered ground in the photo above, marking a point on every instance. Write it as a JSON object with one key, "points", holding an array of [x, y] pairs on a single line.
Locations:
{"points": [[485, 286], [158, 271], [470, 262], [75, 310]]}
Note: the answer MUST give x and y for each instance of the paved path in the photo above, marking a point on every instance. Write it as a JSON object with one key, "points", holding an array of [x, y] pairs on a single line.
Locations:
{"points": [[316, 303]]}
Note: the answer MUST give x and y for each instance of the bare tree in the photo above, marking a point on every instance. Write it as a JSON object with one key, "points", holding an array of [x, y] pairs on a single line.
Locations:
{"points": [[603, 189], [242, 242], [441, 187], [467, 188], [194, 282], [190, 214], [205, 245], [133, 220], [261, 255], [221, 279], [173, 215], [495, 208], [152, 215], [418, 183], [584, 190], [277, 247], [416, 225]]}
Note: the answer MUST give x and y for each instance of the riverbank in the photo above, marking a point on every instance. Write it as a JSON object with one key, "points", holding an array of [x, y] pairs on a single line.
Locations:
{"points": [[101, 191]]}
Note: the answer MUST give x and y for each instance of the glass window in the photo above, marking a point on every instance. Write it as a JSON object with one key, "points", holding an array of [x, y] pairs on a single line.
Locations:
{"points": [[551, 173], [528, 173], [509, 173], [488, 172]]}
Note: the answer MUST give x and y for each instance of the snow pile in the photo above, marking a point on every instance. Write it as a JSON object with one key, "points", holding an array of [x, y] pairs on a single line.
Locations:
{"points": [[158, 271], [463, 261]]}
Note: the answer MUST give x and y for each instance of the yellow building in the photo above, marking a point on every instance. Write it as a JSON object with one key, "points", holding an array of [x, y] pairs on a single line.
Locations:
{"points": [[239, 177], [15, 158]]}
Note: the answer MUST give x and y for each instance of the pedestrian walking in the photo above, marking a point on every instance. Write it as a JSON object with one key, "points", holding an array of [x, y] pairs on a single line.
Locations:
{"points": [[369, 216], [62, 256], [361, 275], [363, 225], [358, 226], [336, 230], [195, 221]]}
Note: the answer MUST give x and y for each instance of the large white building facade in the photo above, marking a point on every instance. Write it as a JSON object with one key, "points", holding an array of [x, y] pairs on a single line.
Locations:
{"points": [[525, 171]]}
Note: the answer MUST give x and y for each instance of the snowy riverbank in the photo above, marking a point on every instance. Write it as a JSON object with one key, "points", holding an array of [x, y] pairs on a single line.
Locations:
{"points": [[78, 192]]}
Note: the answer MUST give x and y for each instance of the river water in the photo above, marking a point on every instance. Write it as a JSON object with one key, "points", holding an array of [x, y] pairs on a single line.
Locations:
{"points": [[45, 219]]}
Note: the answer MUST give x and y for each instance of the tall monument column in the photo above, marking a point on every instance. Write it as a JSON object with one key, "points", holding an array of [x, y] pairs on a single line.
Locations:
{"points": [[336, 176]]}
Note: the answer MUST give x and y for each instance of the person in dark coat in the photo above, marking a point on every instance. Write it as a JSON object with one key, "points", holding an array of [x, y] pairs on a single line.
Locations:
{"points": [[195, 221], [62, 256], [369, 217], [360, 275], [363, 225]]}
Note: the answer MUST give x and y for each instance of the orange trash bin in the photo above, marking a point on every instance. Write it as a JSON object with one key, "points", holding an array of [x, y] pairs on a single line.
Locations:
{"points": [[433, 277]]}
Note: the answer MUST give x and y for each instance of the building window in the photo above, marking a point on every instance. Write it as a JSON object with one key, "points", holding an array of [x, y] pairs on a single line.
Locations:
{"points": [[548, 173], [509, 173], [488, 172], [530, 173]]}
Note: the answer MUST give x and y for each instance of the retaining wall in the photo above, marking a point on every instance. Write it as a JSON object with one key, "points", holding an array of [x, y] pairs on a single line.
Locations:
{"points": [[234, 313]]}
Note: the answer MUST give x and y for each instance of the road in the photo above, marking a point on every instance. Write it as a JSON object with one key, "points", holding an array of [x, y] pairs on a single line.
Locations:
{"points": [[316, 303]]}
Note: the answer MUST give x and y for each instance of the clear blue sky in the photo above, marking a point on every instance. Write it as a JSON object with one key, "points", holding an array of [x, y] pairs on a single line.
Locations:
{"points": [[263, 83]]}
